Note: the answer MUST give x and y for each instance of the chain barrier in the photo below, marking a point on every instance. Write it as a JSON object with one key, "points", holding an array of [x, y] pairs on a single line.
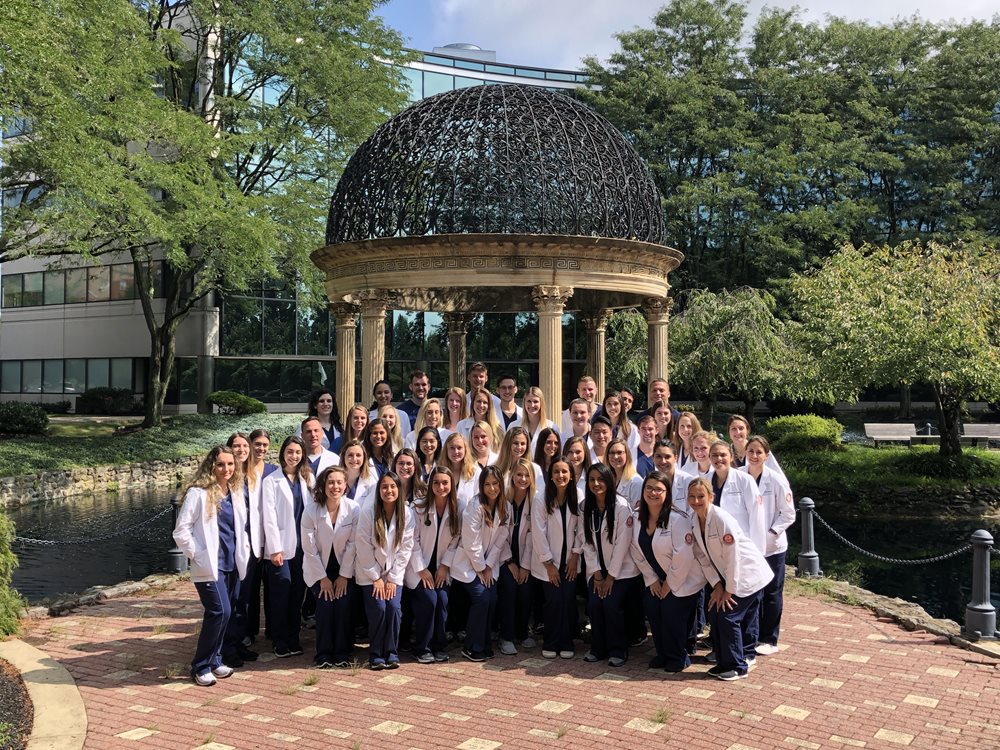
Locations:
{"points": [[894, 560], [995, 552], [55, 542]]}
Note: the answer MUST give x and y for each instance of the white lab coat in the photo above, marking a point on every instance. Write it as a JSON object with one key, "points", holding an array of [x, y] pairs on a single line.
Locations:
{"points": [[320, 538], [617, 559], [523, 532], [726, 553], [278, 511], [424, 535], [197, 535], [327, 458], [673, 549], [631, 490], [374, 561], [547, 536], [778, 508], [481, 545], [410, 441], [402, 418], [741, 499]]}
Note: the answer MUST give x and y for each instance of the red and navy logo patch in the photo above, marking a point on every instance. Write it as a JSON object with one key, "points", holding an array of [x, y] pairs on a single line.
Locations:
{"points": [[689, 538], [728, 539]]}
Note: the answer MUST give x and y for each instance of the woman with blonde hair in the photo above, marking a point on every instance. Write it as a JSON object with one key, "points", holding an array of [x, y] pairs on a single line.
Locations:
{"points": [[698, 463], [687, 427], [465, 471], [514, 584], [355, 425], [360, 475], [211, 532], [390, 416], [455, 409], [482, 411], [430, 414], [534, 417], [481, 442]]}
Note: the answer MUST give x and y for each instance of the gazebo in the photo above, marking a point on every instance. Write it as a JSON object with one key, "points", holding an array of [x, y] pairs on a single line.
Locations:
{"points": [[500, 198]]}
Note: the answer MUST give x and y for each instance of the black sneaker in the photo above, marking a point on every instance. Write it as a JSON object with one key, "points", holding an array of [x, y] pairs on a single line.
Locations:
{"points": [[247, 655], [295, 650], [282, 653], [474, 655], [232, 660]]}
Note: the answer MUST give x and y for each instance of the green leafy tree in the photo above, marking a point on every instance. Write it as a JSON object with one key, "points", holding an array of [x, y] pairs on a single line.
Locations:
{"points": [[911, 314], [206, 132], [733, 343], [626, 353]]}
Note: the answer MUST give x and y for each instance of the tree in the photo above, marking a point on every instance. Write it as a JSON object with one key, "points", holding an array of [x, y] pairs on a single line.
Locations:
{"points": [[206, 132], [915, 313], [732, 342], [626, 354]]}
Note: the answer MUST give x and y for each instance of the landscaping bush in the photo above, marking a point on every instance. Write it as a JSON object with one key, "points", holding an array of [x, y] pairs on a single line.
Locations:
{"points": [[107, 401], [933, 465], [236, 404], [56, 407], [20, 418], [804, 432], [11, 602]]}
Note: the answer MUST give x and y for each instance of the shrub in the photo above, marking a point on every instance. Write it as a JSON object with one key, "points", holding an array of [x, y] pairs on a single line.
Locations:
{"points": [[56, 407], [11, 602], [236, 404], [20, 418], [107, 401], [804, 432], [931, 464]]}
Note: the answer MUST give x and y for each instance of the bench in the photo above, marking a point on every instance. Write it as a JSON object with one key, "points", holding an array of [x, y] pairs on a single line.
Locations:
{"points": [[981, 434], [890, 433]]}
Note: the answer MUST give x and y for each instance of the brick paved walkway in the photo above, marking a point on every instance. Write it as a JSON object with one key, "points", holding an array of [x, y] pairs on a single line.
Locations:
{"points": [[845, 679]]}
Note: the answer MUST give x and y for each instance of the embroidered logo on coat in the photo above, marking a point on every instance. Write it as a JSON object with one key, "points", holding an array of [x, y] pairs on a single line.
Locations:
{"points": [[689, 538], [629, 522], [728, 539]]}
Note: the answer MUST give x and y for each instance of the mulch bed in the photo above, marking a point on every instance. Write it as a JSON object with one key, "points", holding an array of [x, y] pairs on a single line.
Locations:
{"points": [[16, 711]]}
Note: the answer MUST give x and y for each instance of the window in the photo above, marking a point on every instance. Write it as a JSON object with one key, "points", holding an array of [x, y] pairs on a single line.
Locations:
{"points": [[437, 83], [279, 327], [55, 287], [10, 376], [465, 83], [123, 281], [415, 83], [11, 291], [76, 285], [502, 69], [31, 376], [32, 292], [98, 284], [97, 373], [52, 376], [121, 373], [75, 375]]}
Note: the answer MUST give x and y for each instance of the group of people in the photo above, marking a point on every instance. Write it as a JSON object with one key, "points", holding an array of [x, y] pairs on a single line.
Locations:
{"points": [[469, 515]]}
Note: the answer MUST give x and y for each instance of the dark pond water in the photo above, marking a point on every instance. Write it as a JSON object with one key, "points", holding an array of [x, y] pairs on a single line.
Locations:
{"points": [[46, 571]]}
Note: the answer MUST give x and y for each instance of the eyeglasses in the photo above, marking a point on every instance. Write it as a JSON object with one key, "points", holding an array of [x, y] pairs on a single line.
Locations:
{"points": [[656, 490]]}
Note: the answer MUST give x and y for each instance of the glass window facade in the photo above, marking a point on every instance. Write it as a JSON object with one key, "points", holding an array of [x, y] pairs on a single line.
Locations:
{"points": [[71, 376], [74, 285]]}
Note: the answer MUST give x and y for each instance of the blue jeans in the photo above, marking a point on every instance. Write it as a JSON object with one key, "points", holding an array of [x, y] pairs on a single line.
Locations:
{"points": [[333, 626], [217, 597], [671, 621], [287, 590], [772, 601], [607, 620], [383, 625], [482, 604], [430, 615], [560, 614], [514, 604]]}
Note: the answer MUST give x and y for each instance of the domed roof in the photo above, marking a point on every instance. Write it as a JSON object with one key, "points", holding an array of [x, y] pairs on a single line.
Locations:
{"points": [[504, 159]]}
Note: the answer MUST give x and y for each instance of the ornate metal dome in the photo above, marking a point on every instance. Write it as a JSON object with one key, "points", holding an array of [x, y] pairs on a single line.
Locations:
{"points": [[504, 159]]}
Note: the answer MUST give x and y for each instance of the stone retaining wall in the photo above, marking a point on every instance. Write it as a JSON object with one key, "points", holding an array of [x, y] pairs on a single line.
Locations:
{"points": [[53, 485], [906, 501]]}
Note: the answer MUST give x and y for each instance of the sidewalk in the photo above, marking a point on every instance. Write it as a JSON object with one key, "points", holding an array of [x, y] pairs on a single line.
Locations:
{"points": [[845, 679]]}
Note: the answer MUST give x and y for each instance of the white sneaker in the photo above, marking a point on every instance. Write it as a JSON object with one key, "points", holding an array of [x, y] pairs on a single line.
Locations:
{"points": [[507, 648], [549, 654], [528, 642], [567, 654], [766, 649], [205, 679], [222, 671], [751, 663]]}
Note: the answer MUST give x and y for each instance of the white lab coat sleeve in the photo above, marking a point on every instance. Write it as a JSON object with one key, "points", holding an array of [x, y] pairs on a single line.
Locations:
{"points": [[313, 569], [623, 539], [406, 547], [784, 506], [364, 546], [269, 512]]}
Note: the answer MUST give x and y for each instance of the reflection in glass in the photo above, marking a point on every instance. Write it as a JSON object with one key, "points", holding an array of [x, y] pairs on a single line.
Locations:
{"points": [[32, 293], [11, 290], [98, 284], [31, 376], [279, 327], [55, 287], [75, 375], [10, 376], [121, 373], [52, 376], [122, 281], [76, 285], [98, 372]]}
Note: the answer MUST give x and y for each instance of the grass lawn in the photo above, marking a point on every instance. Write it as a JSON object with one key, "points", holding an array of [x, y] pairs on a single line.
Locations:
{"points": [[76, 444], [69, 427]]}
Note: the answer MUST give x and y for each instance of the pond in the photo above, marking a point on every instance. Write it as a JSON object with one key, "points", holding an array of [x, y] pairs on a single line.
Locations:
{"points": [[943, 589]]}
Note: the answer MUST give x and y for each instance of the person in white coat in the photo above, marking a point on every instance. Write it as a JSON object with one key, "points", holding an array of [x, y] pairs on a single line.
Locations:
{"points": [[555, 559], [611, 572], [476, 564], [383, 544], [737, 494], [211, 532], [663, 549], [437, 529], [779, 514], [457, 456], [533, 416], [283, 499], [737, 571], [317, 455], [328, 529], [360, 475], [515, 585]]}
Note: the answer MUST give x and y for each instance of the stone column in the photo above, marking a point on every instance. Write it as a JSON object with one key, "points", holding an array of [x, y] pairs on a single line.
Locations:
{"points": [[345, 321], [596, 323], [456, 347], [550, 302], [657, 312], [374, 303]]}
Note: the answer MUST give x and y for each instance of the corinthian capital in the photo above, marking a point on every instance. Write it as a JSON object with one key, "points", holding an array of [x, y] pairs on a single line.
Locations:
{"points": [[551, 299], [656, 309]]}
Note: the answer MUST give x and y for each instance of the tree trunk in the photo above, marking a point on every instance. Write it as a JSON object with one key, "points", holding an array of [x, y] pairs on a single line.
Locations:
{"points": [[905, 402], [708, 410], [749, 407], [949, 413], [163, 344]]}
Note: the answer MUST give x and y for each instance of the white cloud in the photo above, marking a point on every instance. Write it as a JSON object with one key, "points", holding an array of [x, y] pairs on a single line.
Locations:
{"points": [[559, 33]]}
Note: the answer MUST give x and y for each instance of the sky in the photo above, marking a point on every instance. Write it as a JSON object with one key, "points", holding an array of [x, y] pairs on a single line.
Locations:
{"points": [[559, 33]]}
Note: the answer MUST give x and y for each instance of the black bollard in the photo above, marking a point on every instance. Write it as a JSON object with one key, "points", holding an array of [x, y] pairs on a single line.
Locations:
{"points": [[808, 557], [980, 614], [176, 561]]}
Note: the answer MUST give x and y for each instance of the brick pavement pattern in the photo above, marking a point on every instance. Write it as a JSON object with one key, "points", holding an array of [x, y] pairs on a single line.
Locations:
{"points": [[843, 679]]}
